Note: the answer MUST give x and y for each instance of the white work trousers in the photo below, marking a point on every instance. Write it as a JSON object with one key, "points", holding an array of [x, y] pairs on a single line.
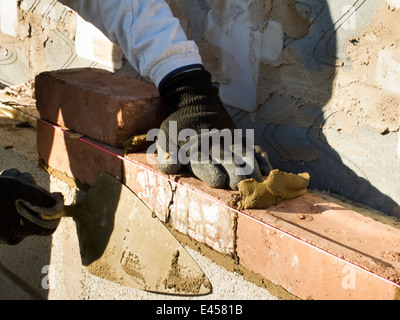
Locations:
{"points": [[151, 38]]}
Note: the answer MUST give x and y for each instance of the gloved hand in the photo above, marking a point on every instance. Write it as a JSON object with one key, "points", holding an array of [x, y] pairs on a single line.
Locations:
{"points": [[21, 203], [193, 103]]}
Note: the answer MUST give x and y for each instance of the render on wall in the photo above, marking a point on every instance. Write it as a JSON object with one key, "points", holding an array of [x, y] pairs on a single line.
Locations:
{"points": [[319, 80]]}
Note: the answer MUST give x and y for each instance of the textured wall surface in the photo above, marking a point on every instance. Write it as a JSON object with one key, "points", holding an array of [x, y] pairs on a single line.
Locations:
{"points": [[319, 80]]}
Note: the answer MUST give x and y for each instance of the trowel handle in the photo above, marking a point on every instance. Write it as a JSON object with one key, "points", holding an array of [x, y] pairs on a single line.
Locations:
{"points": [[67, 212]]}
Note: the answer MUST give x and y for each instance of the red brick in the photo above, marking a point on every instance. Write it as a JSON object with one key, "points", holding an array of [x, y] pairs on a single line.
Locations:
{"points": [[190, 206], [338, 254], [313, 247], [99, 104], [79, 159]]}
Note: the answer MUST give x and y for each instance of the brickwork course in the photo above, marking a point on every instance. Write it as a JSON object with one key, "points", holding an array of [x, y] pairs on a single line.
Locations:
{"points": [[325, 101], [300, 244]]}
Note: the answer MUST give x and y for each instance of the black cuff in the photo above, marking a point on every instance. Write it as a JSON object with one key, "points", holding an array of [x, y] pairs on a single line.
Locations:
{"points": [[179, 70]]}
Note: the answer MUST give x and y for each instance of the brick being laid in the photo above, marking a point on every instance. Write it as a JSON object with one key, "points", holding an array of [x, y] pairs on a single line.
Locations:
{"points": [[104, 106]]}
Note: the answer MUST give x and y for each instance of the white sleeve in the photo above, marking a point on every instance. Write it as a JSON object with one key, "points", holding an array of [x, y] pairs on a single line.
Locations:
{"points": [[150, 36]]}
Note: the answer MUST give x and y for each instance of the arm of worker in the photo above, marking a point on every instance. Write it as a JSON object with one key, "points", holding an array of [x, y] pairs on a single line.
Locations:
{"points": [[149, 35], [157, 47]]}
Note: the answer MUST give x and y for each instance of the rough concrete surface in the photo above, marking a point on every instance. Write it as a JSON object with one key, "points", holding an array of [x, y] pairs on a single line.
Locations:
{"points": [[50, 268]]}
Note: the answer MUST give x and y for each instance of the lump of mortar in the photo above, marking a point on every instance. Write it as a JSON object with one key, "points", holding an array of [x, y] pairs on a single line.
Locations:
{"points": [[287, 185], [254, 195], [279, 186]]}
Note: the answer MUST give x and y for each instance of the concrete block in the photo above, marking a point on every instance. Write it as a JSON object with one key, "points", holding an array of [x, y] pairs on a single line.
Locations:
{"points": [[9, 17], [82, 159], [92, 44], [272, 41], [52, 51], [394, 3], [388, 69], [51, 11], [398, 145], [231, 32], [243, 46], [99, 104], [15, 66]]}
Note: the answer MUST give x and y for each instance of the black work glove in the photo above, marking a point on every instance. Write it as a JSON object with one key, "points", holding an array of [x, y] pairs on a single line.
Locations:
{"points": [[193, 103], [22, 202]]}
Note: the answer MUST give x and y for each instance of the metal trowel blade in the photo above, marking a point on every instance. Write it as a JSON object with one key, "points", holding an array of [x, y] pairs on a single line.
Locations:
{"points": [[122, 241]]}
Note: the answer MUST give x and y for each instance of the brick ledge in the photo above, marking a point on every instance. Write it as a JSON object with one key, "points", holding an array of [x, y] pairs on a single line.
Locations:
{"points": [[312, 247]]}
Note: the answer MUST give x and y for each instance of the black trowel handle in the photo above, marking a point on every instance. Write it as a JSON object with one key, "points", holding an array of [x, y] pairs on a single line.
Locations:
{"points": [[67, 212]]}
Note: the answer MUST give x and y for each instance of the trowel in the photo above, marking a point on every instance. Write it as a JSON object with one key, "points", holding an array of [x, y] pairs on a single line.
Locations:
{"points": [[122, 241]]}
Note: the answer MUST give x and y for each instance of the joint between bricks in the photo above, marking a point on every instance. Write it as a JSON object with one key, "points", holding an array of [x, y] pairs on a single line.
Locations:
{"points": [[235, 256], [171, 202]]}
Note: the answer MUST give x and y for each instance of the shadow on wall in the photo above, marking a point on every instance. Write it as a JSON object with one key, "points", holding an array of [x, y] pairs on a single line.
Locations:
{"points": [[292, 124]]}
